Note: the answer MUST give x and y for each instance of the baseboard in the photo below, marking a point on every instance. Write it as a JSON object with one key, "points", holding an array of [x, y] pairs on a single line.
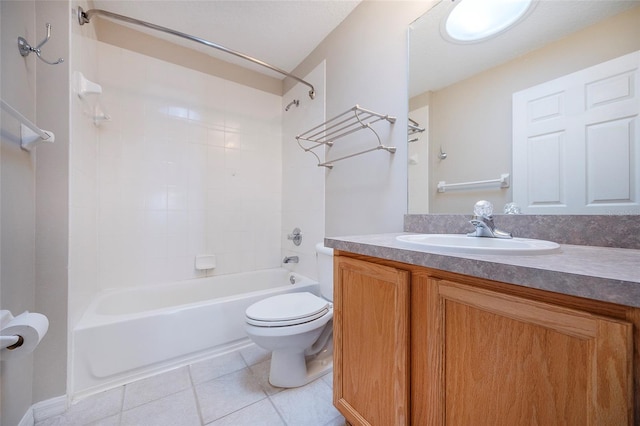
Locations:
{"points": [[49, 408]]}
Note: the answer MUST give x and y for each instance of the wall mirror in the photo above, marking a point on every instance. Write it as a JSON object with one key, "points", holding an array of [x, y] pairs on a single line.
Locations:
{"points": [[462, 95]]}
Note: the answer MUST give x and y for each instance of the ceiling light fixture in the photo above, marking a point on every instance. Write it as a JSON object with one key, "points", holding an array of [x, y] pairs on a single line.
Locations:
{"points": [[475, 20]]}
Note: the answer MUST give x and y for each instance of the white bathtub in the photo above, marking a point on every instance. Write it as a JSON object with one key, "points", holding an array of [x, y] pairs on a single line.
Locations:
{"points": [[128, 334]]}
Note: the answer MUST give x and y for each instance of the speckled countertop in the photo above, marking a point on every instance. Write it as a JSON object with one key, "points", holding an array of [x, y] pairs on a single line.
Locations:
{"points": [[599, 273]]}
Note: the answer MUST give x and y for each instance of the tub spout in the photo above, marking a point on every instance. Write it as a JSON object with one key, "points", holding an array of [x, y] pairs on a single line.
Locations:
{"points": [[291, 259]]}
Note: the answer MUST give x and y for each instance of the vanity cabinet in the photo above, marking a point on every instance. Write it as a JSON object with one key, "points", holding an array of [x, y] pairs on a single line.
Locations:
{"points": [[426, 347]]}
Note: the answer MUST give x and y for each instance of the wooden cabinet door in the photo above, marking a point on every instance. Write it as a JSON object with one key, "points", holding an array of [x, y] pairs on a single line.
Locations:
{"points": [[371, 343], [506, 360]]}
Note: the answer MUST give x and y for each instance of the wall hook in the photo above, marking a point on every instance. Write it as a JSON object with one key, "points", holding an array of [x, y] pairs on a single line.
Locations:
{"points": [[25, 48]]}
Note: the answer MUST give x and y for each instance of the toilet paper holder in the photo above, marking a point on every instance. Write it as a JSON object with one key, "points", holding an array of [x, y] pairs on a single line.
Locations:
{"points": [[20, 335], [8, 342], [11, 342]]}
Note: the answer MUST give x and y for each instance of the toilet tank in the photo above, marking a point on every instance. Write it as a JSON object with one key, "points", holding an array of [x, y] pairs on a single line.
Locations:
{"points": [[324, 261]]}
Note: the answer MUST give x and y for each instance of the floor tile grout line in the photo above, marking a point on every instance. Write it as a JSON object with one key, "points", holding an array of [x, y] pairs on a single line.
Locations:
{"points": [[246, 363], [119, 414], [239, 409], [275, 407], [250, 372], [124, 395], [122, 409], [258, 380], [195, 395]]}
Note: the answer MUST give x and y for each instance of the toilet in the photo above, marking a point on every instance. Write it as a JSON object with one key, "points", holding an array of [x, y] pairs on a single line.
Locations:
{"points": [[297, 328]]}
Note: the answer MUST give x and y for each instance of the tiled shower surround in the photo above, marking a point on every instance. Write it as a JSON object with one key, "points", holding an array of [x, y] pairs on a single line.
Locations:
{"points": [[201, 173], [189, 164]]}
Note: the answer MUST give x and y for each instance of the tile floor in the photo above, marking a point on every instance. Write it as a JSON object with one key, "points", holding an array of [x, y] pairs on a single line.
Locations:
{"points": [[229, 390]]}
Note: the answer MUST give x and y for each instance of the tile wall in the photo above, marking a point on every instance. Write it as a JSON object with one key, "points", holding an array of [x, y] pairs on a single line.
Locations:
{"points": [[189, 164], [302, 179], [83, 163]]}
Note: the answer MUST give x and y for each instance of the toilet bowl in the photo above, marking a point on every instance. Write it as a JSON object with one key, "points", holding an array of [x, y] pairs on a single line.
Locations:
{"points": [[297, 328]]}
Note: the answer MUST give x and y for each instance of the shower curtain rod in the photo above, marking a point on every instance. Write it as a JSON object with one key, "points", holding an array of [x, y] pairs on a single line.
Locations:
{"points": [[85, 18]]}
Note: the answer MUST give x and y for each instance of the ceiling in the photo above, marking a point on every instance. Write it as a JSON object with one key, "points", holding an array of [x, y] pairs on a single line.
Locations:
{"points": [[447, 62], [282, 33]]}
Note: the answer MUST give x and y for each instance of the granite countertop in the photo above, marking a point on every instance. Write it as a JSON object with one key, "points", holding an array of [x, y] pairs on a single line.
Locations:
{"points": [[598, 273]]}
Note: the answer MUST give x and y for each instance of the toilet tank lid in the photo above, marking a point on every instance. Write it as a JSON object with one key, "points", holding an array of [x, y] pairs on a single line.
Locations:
{"points": [[286, 307], [320, 248]]}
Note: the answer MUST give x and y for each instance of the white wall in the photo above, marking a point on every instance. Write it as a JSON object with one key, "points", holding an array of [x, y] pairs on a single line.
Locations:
{"points": [[366, 60], [83, 165]]}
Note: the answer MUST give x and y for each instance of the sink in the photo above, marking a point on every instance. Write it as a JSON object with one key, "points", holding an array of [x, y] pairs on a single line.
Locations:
{"points": [[460, 243]]}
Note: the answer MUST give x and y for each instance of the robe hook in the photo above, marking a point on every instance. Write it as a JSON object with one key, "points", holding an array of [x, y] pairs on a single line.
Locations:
{"points": [[25, 48]]}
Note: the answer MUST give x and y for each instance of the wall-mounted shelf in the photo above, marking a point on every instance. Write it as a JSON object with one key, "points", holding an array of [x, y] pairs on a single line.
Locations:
{"points": [[30, 134], [350, 121]]}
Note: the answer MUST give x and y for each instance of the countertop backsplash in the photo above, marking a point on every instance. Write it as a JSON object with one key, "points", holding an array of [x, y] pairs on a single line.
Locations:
{"points": [[622, 231]]}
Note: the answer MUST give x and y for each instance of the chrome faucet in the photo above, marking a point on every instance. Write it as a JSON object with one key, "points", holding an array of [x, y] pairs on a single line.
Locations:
{"points": [[483, 222], [291, 259]]}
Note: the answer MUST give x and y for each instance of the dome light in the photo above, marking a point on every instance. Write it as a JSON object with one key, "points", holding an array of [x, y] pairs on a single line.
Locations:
{"points": [[474, 20]]}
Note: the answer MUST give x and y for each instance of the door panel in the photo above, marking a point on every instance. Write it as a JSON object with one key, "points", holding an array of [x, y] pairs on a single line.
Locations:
{"points": [[595, 168]]}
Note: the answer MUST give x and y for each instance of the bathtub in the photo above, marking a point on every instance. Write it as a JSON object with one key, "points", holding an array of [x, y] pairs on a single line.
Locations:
{"points": [[128, 334]]}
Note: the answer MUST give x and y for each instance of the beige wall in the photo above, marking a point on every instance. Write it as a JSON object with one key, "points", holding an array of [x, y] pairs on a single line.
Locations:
{"points": [[471, 120], [366, 60], [52, 195], [17, 214], [136, 41], [33, 194]]}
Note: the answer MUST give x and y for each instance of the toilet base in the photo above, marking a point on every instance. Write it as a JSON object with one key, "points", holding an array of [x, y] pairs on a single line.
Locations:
{"points": [[291, 370]]}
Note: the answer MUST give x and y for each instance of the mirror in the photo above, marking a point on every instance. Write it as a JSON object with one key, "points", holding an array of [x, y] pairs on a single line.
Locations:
{"points": [[461, 94]]}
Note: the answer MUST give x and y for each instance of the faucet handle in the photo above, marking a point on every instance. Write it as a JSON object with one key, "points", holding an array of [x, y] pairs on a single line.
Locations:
{"points": [[296, 236], [512, 208], [483, 208]]}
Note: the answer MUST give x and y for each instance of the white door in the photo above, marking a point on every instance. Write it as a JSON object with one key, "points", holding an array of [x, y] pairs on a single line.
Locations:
{"points": [[576, 142]]}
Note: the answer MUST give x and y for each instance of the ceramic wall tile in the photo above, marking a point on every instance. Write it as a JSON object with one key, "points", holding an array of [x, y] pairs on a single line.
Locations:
{"points": [[182, 157]]}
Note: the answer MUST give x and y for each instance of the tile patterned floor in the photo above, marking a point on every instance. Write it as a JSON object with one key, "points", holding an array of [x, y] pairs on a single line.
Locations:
{"points": [[229, 390]]}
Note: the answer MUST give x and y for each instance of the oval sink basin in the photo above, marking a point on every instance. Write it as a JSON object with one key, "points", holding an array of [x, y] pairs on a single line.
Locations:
{"points": [[460, 243]]}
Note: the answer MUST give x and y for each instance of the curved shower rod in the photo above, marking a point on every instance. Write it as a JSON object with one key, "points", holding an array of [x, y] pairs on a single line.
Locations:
{"points": [[85, 18]]}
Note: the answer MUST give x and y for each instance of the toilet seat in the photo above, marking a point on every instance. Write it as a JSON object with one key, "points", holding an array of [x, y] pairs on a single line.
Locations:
{"points": [[287, 309]]}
